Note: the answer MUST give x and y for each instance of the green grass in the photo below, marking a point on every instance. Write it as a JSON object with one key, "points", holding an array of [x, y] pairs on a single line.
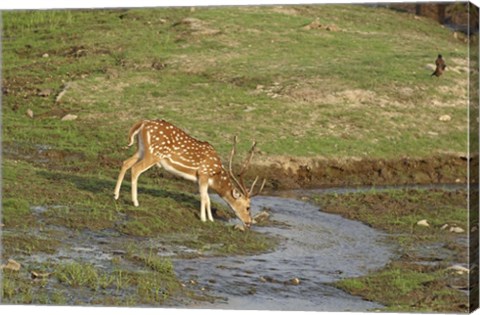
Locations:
{"points": [[155, 285], [405, 288]]}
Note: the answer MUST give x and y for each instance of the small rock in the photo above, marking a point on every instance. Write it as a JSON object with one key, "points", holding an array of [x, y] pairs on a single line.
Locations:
{"points": [[456, 229], [267, 279], [30, 113], [157, 65], [332, 28], [45, 55], [62, 93], [11, 265], [262, 216], [459, 269], [445, 118], [193, 282], [69, 117], [444, 227], [45, 92], [458, 180], [239, 227], [40, 275], [423, 223], [294, 281]]}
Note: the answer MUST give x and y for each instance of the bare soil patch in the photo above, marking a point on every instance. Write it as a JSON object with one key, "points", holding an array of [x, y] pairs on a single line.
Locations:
{"points": [[294, 173]]}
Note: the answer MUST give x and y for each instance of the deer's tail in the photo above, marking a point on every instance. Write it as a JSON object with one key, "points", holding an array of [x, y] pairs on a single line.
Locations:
{"points": [[134, 131]]}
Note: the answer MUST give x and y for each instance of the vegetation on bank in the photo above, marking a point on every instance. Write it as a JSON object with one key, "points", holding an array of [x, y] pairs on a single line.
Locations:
{"points": [[423, 278]]}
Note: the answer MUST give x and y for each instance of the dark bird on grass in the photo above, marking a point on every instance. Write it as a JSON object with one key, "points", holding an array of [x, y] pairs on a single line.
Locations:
{"points": [[440, 63]]}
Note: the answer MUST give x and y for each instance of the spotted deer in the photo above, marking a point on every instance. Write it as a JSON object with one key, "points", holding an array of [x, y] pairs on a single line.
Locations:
{"points": [[161, 143]]}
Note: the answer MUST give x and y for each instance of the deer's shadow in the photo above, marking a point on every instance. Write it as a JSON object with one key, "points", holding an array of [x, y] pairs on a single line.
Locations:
{"points": [[99, 186]]}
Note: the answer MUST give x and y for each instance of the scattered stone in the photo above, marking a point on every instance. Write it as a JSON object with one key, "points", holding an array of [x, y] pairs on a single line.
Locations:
{"points": [[445, 118], [11, 265], [294, 281], [262, 216], [239, 227], [316, 25], [62, 93], [45, 55], [45, 92], [459, 269], [456, 229], [267, 279], [193, 282], [444, 227], [30, 113], [423, 223], [430, 66], [458, 180], [111, 73], [69, 117], [432, 133], [39, 275], [158, 65]]}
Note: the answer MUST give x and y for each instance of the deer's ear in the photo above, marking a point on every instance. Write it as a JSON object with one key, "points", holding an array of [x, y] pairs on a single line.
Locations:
{"points": [[236, 194]]}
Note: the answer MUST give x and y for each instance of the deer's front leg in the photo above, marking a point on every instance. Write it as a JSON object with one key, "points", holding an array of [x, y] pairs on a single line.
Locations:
{"points": [[204, 199]]}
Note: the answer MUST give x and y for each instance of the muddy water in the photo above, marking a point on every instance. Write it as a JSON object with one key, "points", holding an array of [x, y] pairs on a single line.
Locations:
{"points": [[317, 249]]}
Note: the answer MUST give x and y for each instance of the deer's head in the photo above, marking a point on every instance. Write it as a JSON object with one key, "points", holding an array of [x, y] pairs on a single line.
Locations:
{"points": [[240, 195]]}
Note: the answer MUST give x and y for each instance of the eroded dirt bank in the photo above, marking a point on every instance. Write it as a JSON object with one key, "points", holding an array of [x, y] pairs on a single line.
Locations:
{"points": [[282, 172], [294, 173]]}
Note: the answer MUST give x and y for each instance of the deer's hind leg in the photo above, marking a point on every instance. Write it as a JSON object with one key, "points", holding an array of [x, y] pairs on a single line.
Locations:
{"points": [[127, 164], [137, 169]]}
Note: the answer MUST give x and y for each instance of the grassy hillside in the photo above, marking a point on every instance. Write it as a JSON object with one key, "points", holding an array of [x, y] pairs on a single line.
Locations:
{"points": [[360, 89], [319, 81]]}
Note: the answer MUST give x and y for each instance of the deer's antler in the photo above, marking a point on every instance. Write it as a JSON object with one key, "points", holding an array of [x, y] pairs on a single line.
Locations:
{"points": [[246, 163]]}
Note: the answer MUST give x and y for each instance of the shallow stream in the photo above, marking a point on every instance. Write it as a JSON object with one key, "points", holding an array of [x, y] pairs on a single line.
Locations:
{"points": [[316, 249]]}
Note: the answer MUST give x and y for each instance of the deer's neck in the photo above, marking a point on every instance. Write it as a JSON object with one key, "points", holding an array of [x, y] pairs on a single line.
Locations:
{"points": [[222, 185]]}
